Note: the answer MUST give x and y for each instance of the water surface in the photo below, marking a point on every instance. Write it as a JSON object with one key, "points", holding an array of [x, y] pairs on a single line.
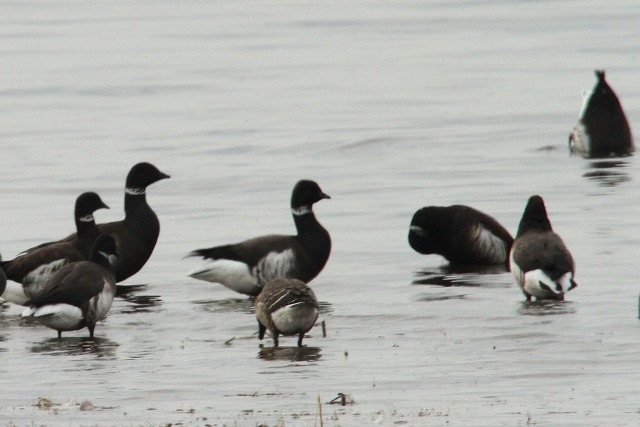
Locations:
{"points": [[390, 107]]}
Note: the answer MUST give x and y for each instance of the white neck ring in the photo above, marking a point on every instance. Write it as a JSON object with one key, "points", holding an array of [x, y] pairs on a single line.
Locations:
{"points": [[301, 210], [134, 191], [86, 218]]}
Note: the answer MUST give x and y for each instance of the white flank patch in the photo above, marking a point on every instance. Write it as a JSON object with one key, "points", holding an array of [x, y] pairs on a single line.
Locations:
{"points": [[491, 246], [40, 274], [532, 280], [234, 275], [86, 218], [101, 302], [579, 141], [586, 97], [134, 191], [295, 318], [14, 293], [62, 317], [274, 265], [515, 269], [302, 210]]}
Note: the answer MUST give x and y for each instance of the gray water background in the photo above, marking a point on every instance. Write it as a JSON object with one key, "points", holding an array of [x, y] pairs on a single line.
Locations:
{"points": [[389, 106]]}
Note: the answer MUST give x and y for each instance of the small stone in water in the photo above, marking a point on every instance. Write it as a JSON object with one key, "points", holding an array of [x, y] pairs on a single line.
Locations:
{"points": [[87, 406], [43, 403]]}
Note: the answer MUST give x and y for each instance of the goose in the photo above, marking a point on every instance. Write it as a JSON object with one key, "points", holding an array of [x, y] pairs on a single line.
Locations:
{"points": [[286, 307], [461, 234], [79, 294], [539, 260], [30, 269], [247, 266], [136, 235], [602, 129]]}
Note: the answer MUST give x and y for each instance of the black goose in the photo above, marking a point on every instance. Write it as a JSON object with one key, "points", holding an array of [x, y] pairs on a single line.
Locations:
{"points": [[79, 294], [247, 266], [540, 261], [136, 235], [31, 269], [461, 234], [286, 307], [602, 129]]}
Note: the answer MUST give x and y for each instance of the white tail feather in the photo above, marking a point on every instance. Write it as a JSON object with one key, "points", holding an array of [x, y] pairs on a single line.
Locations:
{"points": [[535, 279], [234, 275], [62, 317], [15, 293], [294, 319]]}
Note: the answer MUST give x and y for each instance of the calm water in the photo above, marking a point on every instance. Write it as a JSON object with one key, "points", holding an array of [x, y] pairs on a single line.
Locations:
{"points": [[390, 106]]}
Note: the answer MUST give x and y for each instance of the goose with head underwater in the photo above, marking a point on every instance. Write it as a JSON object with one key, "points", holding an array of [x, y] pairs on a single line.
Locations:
{"points": [[602, 129]]}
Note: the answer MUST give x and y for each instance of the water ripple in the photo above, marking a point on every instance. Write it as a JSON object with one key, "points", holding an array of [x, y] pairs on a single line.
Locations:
{"points": [[75, 346]]}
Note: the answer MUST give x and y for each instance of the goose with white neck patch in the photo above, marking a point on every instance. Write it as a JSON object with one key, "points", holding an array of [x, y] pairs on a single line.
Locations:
{"points": [[247, 266], [136, 235], [32, 268], [79, 294]]}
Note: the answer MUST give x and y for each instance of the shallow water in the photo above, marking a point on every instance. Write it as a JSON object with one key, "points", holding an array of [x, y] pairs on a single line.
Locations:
{"points": [[390, 107]]}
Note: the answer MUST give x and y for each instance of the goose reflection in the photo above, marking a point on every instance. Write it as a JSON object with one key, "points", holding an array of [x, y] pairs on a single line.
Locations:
{"points": [[4, 306], [243, 305], [230, 305], [137, 303], [433, 297], [607, 173], [463, 275], [546, 308], [123, 291], [290, 354], [77, 346]]}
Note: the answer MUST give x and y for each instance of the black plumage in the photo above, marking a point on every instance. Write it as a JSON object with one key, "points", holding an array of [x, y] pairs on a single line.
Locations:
{"points": [[136, 235], [79, 294], [602, 129], [540, 261], [246, 266], [461, 234], [34, 266]]}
